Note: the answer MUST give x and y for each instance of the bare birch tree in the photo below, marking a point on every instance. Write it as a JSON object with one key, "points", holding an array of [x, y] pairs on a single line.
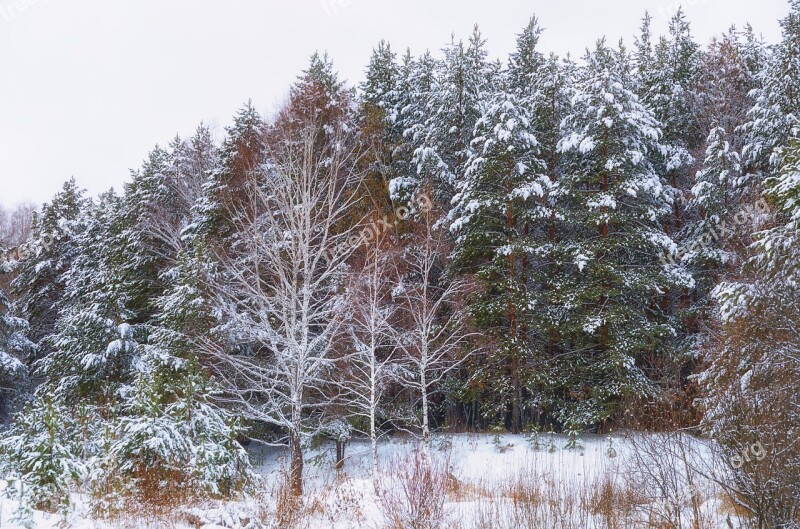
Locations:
{"points": [[436, 337], [281, 285], [373, 363]]}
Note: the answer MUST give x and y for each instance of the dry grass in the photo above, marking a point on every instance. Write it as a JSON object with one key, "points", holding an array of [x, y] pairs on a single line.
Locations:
{"points": [[655, 488], [535, 499], [413, 495]]}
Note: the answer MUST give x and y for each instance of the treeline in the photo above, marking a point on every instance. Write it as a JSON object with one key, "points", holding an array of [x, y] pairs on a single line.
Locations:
{"points": [[457, 243]]}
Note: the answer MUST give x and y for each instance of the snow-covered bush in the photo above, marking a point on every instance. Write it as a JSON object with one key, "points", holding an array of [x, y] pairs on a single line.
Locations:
{"points": [[170, 445], [43, 454], [415, 492]]}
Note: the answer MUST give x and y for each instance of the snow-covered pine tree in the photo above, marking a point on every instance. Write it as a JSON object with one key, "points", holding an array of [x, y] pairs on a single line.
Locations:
{"points": [[499, 218], [774, 118], [665, 76], [615, 207], [715, 191], [415, 90], [191, 161], [44, 454], [663, 83], [15, 351], [754, 370], [381, 128], [754, 50], [82, 364], [39, 283], [526, 61], [170, 443], [709, 247], [149, 222], [643, 58], [155, 212], [380, 86], [463, 80], [542, 84], [185, 316], [240, 156]]}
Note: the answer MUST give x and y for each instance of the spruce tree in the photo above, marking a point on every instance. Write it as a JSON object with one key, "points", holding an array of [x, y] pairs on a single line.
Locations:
{"points": [[499, 215], [774, 116], [240, 156], [616, 204], [463, 81], [15, 351], [82, 364], [40, 281]]}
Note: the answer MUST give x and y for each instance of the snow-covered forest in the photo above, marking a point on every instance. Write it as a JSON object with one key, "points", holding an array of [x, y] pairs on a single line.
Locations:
{"points": [[319, 319]]}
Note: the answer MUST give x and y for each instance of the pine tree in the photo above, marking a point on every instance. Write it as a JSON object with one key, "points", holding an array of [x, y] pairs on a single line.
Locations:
{"points": [[775, 114], [709, 248], [463, 79], [541, 85], [15, 351], [716, 187], [240, 156], [93, 313], [644, 58], [382, 128], [616, 203], [664, 80], [318, 95], [44, 455], [149, 220], [171, 444], [526, 62], [498, 218], [416, 87], [755, 359], [39, 285], [382, 77]]}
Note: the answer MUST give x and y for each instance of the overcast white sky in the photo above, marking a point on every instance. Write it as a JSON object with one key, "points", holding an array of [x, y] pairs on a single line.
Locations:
{"points": [[89, 86]]}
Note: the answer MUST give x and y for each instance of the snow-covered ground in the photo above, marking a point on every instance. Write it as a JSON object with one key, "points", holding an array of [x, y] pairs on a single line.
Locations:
{"points": [[489, 477]]}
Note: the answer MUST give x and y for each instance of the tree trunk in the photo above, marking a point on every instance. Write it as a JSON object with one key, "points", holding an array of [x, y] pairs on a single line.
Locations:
{"points": [[516, 419], [374, 443], [295, 464], [426, 431], [340, 446], [512, 317]]}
